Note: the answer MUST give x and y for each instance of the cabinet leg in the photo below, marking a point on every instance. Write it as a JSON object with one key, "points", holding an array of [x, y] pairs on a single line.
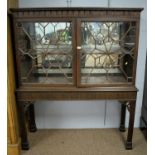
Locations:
{"points": [[123, 115], [132, 105], [31, 115], [22, 125]]}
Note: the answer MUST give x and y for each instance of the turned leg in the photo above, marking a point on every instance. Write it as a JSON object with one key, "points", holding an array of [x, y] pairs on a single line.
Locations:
{"points": [[31, 118], [132, 105], [123, 114], [22, 125]]}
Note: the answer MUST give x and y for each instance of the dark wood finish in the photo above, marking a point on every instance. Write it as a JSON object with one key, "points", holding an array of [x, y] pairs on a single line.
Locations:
{"points": [[72, 95], [132, 105], [77, 9], [136, 51], [31, 117], [106, 13], [23, 129], [38, 91], [123, 114]]}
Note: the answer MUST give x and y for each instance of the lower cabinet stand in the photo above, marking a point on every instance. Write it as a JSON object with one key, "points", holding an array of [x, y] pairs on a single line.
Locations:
{"points": [[126, 98], [123, 114], [132, 105], [31, 117], [23, 128]]}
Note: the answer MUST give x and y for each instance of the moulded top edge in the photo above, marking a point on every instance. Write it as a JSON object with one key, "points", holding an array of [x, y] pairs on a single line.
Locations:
{"points": [[75, 9]]}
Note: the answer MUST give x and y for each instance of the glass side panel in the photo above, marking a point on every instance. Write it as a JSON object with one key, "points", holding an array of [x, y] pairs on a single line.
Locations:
{"points": [[45, 50], [107, 52]]}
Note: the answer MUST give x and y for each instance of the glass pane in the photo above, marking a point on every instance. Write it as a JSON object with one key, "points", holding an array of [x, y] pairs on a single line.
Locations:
{"points": [[107, 52], [46, 52]]}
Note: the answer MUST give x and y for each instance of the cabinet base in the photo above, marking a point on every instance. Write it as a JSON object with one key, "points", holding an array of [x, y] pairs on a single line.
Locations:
{"points": [[25, 146], [122, 129], [32, 128], [128, 146]]}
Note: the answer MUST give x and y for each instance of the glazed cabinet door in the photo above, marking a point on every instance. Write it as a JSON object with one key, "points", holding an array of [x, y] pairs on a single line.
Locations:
{"points": [[106, 52], [45, 52]]}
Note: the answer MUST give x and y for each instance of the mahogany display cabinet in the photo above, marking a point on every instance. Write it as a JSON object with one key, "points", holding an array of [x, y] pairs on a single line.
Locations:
{"points": [[75, 54]]}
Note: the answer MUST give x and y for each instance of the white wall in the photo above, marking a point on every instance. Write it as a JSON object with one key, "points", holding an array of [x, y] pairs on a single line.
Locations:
{"points": [[61, 3], [91, 114]]}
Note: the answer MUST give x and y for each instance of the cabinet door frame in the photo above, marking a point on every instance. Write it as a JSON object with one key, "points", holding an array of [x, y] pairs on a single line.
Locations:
{"points": [[42, 19], [79, 21]]}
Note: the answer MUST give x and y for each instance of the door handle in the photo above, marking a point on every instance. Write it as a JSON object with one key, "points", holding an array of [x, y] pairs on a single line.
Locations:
{"points": [[78, 48]]}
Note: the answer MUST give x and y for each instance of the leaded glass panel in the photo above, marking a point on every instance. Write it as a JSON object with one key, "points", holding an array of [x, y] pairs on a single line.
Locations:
{"points": [[46, 52], [107, 52]]}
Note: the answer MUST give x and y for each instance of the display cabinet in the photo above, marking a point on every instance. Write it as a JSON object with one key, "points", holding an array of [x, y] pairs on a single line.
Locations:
{"points": [[75, 53]]}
